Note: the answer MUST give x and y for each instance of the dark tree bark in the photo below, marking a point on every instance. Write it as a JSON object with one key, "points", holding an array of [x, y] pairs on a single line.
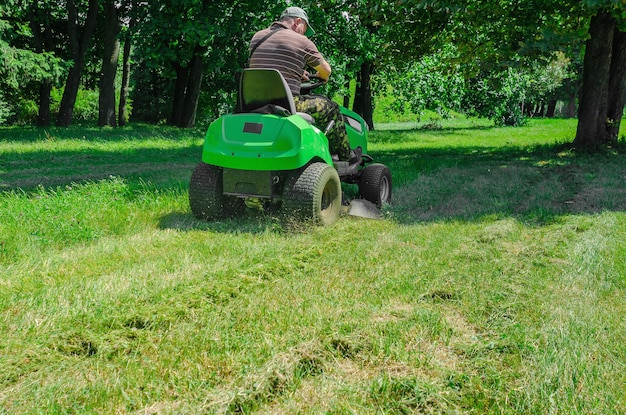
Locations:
{"points": [[110, 58], [187, 90], [192, 92], [346, 97], [43, 115], [178, 100], [574, 88], [124, 91], [617, 87], [79, 43], [551, 109], [593, 106], [363, 95]]}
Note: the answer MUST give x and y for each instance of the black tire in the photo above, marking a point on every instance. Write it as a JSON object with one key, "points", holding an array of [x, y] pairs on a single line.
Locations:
{"points": [[205, 194], [375, 184], [314, 194]]}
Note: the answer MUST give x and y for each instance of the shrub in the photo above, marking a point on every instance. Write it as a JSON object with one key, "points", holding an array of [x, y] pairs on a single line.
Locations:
{"points": [[430, 84], [5, 110], [27, 112], [499, 97], [85, 108]]}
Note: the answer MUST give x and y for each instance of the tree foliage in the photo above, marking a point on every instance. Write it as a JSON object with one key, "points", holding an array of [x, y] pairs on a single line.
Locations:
{"points": [[22, 64], [499, 58], [173, 36], [429, 84]]}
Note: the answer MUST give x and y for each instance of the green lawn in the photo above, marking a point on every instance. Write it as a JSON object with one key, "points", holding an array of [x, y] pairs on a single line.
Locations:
{"points": [[495, 283]]}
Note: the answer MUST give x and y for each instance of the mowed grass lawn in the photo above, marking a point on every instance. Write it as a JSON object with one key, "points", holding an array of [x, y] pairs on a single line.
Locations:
{"points": [[496, 282]]}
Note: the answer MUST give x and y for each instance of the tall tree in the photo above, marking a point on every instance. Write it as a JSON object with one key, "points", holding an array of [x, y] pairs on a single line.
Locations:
{"points": [[363, 103], [41, 27], [110, 58], [617, 86], [178, 34], [125, 84], [504, 28], [80, 34], [604, 83], [192, 89]]}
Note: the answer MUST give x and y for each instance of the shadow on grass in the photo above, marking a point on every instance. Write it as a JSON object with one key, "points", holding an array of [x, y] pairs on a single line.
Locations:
{"points": [[92, 133], [536, 184], [250, 222], [34, 170], [48, 158]]}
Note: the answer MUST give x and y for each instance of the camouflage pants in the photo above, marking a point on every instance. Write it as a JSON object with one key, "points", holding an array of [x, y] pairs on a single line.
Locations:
{"points": [[323, 110]]}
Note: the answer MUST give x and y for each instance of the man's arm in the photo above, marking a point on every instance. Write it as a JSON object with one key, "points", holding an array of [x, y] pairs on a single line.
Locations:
{"points": [[323, 70]]}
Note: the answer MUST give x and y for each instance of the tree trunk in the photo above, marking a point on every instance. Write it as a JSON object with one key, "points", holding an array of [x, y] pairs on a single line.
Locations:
{"points": [[78, 46], [43, 116], [192, 91], [346, 97], [110, 58], [180, 86], [43, 42], [570, 109], [66, 108], [363, 95], [593, 105], [123, 112], [617, 87], [551, 109]]}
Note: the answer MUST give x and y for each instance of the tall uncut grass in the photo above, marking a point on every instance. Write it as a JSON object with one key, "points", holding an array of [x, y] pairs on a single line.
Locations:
{"points": [[495, 283]]}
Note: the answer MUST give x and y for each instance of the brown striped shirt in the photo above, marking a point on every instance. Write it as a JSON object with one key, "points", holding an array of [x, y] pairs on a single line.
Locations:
{"points": [[286, 51]]}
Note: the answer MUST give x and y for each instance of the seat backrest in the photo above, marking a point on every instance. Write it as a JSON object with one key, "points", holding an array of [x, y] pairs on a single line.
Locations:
{"points": [[261, 87]]}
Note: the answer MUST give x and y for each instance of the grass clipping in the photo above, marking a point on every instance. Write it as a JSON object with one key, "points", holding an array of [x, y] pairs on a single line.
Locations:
{"points": [[282, 374]]}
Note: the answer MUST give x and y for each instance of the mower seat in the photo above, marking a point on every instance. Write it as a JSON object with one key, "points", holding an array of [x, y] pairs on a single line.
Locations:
{"points": [[266, 91]]}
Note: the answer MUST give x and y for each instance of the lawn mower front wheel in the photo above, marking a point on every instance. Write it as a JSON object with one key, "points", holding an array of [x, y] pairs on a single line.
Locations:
{"points": [[375, 184]]}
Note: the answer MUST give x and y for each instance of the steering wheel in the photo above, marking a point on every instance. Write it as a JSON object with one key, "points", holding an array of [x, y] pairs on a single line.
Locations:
{"points": [[311, 84]]}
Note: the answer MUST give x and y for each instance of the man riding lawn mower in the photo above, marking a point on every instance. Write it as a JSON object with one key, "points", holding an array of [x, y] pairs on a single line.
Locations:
{"points": [[283, 146]]}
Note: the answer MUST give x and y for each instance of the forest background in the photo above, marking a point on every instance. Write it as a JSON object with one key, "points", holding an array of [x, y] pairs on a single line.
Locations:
{"points": [[176, 62]]}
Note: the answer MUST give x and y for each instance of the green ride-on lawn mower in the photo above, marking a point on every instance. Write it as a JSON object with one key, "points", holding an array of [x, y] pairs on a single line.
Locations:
{"points": [[268, 155]]}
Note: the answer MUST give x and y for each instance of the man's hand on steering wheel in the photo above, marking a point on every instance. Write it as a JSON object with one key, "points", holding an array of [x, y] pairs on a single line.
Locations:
{"points": [[312, 82]]}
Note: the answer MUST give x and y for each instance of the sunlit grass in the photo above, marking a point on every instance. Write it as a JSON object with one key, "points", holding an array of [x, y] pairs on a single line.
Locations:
{"points": [[495, 283]]}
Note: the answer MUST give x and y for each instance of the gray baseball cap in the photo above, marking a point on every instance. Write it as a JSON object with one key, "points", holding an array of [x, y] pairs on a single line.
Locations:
{"points": [[298, 12]]}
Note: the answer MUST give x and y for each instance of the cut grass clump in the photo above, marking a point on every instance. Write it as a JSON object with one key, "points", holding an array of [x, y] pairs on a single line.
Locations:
{"points": [[404, 396]]}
